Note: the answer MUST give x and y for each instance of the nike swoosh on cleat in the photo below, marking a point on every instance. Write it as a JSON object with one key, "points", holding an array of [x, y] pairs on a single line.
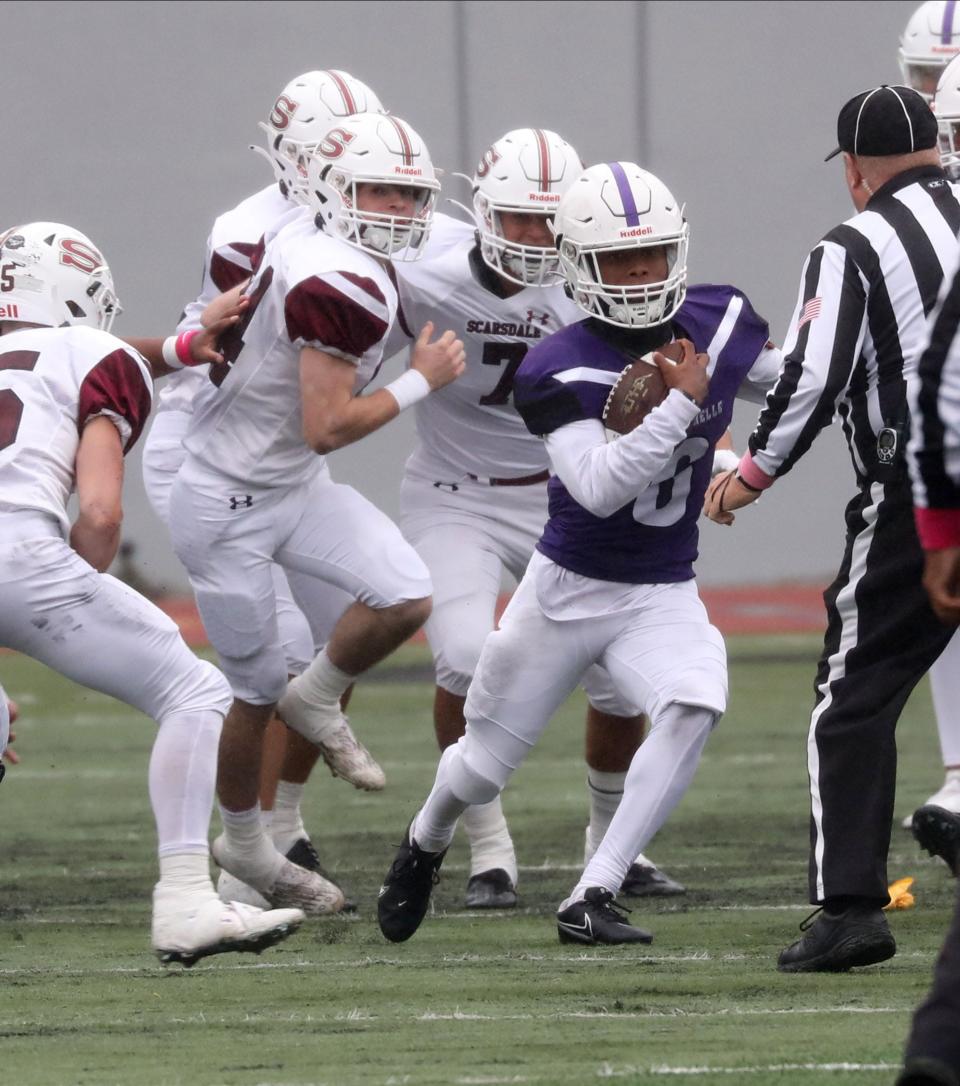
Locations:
{"points": [[586, 927]]}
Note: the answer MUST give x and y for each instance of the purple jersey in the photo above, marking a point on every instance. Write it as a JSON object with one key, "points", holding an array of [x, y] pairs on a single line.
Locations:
{"points": [[567, 378]]}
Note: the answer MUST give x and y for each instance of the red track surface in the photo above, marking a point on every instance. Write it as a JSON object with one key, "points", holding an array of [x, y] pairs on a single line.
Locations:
{"points": [[757, 609]]}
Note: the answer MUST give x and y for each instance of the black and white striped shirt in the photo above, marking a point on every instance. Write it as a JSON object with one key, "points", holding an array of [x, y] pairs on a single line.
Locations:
{"points": [[859, 326], [934, 451]]}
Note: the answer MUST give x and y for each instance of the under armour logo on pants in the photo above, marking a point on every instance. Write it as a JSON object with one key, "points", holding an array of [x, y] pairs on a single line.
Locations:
{"points": [[241, 501]]}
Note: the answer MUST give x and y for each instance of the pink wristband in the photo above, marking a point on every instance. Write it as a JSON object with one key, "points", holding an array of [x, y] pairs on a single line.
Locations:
{"points": [[754, 477], [183, 347]]}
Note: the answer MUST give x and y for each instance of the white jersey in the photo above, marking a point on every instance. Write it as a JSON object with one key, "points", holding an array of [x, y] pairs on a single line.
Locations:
{"points": [[52, 382], [227, 262], [471, 427], [310, 290]]}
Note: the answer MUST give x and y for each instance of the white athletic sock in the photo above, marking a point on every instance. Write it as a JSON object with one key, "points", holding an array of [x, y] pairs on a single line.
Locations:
{"points": [[185, 874], [435, 823], [182, 776], [606, 791], [323, 683], [660, 773], [945, 687], [490, 842], [245, 837], [286, 824]]}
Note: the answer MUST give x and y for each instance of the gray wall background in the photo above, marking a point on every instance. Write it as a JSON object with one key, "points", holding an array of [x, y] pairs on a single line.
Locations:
{"points": [[131, 121]]}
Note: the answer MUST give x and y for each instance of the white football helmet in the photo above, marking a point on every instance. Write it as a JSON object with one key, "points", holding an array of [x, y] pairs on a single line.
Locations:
{"points": [[307, 108], [52, 275], [931, 40], [378, 149], [617, 206], [526, 171], [946, 108]]}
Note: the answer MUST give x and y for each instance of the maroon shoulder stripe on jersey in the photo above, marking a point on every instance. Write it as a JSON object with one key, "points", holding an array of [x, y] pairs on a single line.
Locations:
{"points": [[117, 384], [318, 313], [348, 100], [405, 145], [367, 285], [227, 273], [544, 149]]}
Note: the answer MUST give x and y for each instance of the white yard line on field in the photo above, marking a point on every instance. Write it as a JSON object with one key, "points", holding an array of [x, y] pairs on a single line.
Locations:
{"points": [[772, 1068]]}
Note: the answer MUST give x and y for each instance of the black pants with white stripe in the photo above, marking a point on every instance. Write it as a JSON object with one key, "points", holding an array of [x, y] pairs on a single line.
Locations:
{"points": [[882, 637], [936, 1025]]}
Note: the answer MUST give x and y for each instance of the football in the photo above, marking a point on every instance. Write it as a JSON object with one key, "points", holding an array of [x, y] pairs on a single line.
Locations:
{"points": [[639, 389]]}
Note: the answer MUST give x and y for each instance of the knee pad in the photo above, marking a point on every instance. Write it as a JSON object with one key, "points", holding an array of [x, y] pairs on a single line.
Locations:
{"points": [[259, 680], [456, 653], [453, 680], [679, 716], [201, 688], [467, 783], [604, 696]]}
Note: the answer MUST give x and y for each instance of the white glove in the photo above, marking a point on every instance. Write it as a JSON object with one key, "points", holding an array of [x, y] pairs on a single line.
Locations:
{"points": [[724, 460]]}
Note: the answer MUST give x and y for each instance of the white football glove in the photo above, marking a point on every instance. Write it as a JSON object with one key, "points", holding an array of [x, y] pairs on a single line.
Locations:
{"points": [[724, 460]]}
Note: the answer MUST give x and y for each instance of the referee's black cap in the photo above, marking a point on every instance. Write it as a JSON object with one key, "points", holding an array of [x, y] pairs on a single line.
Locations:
{"points": [[885, 121]]}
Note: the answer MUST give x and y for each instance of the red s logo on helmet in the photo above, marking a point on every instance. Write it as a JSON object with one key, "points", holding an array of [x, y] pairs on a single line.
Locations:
{"points": [[489, 158], [77, 254], [335, 142], [282, 113]]}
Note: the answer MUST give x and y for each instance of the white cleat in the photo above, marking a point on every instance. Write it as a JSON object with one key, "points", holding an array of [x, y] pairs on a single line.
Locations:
{"points": [[329, 730], [232, 889], [349, 759], [186, 932], [948, 798], [291, 887]]}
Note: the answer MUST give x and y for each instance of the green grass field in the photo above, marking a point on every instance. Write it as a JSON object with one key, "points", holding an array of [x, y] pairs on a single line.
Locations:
{"points": [[473, 999]]}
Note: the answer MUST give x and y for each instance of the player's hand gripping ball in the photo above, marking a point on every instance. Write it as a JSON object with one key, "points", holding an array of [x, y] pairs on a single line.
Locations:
{"points": [[639, 389]]}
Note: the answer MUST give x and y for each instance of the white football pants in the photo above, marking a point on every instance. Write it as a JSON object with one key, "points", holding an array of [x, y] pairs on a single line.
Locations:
{"points": [[98, 632], [319, 532], [302, 638], [660, 650], [467, 538]]}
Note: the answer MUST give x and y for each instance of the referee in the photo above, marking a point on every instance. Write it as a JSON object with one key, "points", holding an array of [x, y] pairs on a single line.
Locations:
{"points": [[933, 1050], [852, 347]]}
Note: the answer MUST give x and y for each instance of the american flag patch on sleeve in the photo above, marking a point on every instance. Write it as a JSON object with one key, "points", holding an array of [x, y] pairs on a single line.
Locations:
{"points": [[810, 311]]}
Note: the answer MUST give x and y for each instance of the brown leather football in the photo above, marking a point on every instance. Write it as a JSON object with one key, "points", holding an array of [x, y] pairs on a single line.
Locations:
{"points": [[639, 389]]}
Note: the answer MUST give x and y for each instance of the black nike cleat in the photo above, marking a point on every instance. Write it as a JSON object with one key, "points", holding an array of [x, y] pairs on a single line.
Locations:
{"points": [[598, 919], [647, 880], [405, 895], [938, 831], [834, 943], [303, 854], [491, 889]]}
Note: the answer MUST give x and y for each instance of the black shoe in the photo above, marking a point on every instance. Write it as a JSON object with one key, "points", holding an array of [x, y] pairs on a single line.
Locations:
{"points": [[647, 880], [859, 935], [491, 889], [598, 919], [923, 1071], [303, 854], [938, 831], [405, 895]]}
